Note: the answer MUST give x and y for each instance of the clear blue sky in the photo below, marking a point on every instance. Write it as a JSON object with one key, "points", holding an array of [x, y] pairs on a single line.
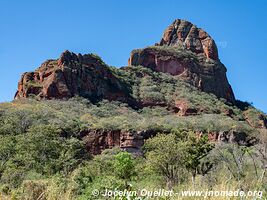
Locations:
{"points": [[33, 31]]}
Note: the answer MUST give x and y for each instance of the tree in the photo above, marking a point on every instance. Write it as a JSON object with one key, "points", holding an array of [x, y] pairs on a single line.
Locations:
{"points": [[166, 154], [171, 154], [124, 166], [41, 150], [197, 150], [233, 157]]}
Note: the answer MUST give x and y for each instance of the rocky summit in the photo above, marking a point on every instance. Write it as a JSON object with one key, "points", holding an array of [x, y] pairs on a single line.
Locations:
{"points": [[186, 35], [189, 53]]}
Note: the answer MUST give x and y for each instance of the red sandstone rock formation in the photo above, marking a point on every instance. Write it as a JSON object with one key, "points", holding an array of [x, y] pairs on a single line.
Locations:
{"points": [[183, 34], [190, 54], [207, 75], [183, 109], [132, 141], [185, 51], [70, 75], [98, 140]]}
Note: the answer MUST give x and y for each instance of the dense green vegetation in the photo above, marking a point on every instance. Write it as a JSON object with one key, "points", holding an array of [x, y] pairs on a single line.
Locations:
{"points": [[77, 114], [42, 155]]}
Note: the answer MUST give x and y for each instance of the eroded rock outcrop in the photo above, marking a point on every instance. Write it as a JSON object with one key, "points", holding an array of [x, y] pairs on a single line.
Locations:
{"points": [[183, 109], [70, 75], [255, 119], [190, 54], [97, 141], [132, 141], [185, 35]]}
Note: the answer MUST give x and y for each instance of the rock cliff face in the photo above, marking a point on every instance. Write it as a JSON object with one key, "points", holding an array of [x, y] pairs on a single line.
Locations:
{"points": [[98, 140], [70, 75], [190, 54], [132, 141]]}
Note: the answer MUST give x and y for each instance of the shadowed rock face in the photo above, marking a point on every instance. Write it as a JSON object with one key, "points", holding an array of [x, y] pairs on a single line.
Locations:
{"points": [[70, 75], [190, 54]]}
